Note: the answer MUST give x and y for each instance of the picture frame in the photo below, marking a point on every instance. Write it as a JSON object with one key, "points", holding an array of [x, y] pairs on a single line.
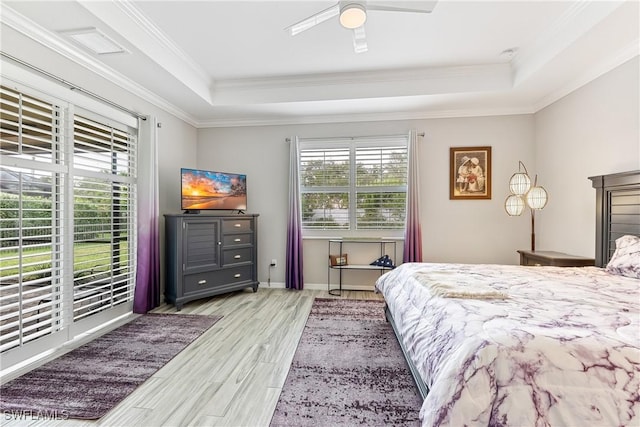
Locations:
{"points": [[338, 260], [470, 173]]}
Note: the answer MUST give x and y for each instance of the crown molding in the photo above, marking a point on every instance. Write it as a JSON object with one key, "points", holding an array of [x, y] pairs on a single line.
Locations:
{"points": [[359, 85], [618, 58], [65, 49], [352, 118], [141, 20], [337, 86], [131, 24], [380, 76], [577, 20]]}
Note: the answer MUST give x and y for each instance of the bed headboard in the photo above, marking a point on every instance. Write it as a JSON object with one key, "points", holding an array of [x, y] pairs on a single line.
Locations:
{"points": [[617, 211]]}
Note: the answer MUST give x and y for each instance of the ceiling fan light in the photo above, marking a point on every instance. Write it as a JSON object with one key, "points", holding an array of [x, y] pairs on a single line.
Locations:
{"points": [[353, 15], [514, 205]]}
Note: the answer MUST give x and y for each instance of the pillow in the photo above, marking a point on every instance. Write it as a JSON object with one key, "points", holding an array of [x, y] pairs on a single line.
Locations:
{"points": [[626, 259]]}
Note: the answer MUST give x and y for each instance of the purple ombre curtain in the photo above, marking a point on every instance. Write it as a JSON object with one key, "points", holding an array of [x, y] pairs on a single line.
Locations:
{"points": [[413, 230], [147, 291], [293, 279]]}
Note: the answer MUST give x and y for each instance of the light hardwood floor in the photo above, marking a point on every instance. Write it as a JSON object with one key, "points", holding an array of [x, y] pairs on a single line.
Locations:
{"points": [[231, 376]]}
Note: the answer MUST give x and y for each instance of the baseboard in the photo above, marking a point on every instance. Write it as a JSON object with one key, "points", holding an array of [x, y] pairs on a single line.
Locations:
{"points": [[320, 286], [274, 285]]}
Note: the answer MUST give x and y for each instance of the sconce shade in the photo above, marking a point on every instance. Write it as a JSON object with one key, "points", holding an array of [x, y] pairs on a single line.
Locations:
{"points": [[520, 183], [353, 16], [514, 205], [537, 198]]}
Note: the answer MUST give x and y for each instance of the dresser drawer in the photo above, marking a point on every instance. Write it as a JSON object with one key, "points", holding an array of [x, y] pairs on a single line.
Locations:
{"points": [[199, 282], [211, 280], [237, 225], [229, 240], [237, 256], [236, 274]]}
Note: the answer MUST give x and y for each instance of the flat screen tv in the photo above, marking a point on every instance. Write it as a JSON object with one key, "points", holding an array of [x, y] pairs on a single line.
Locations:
{"points": [[209, 190]]}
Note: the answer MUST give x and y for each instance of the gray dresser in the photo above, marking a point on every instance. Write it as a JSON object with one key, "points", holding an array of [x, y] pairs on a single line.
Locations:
{"points": [[209, 255]]}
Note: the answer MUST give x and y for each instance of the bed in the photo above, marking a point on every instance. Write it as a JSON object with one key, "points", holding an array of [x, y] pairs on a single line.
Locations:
{"points": [[529, 346]]}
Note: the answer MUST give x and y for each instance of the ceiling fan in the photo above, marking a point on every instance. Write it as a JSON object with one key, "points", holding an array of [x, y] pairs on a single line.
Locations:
{"points": [[353, 14]]}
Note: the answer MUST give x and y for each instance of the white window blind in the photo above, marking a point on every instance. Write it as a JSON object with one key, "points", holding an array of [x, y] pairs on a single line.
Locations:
{"points": [[325, 181], [103, 197], [67, 217], [381, 187], [30, 220], [355, 184]]}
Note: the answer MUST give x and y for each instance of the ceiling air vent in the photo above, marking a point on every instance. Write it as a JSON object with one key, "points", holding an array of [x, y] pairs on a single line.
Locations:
{"points": [[94, 40]]}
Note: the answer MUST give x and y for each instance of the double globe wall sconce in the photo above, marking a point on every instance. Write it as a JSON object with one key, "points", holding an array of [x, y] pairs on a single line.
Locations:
{"points": [[524, 195]]}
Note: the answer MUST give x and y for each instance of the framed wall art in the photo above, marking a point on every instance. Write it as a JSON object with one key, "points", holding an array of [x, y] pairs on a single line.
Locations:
{"points": [[470, 173]]}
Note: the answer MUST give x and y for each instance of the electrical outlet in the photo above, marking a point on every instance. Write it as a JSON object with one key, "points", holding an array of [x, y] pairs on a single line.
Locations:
{"points": [[274, 262]]}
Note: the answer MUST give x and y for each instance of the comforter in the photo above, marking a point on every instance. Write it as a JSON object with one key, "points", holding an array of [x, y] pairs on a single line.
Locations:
{"points": [[520, 346]]}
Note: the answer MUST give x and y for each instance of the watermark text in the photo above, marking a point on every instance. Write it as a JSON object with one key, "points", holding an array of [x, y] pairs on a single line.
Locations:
{"points": [[35, 415]]}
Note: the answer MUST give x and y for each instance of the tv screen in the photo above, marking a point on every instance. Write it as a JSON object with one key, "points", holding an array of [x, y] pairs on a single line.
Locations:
{"points": [[208, 190]]}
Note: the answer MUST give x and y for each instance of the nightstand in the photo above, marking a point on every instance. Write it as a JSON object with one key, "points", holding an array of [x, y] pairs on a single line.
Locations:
{"points": [[558, 259]]}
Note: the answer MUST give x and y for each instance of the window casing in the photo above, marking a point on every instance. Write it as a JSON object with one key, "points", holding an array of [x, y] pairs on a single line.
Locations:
{"points": [[357, 185], [67, 218]]}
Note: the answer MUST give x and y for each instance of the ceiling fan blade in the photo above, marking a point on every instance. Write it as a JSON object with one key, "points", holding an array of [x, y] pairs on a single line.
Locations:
{"points": [[314, 20], [359, 40], [423, 6]]}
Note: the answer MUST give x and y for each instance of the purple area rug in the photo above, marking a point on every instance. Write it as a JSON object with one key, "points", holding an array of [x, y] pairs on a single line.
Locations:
{"points": [[90, 380], [348, 369]]}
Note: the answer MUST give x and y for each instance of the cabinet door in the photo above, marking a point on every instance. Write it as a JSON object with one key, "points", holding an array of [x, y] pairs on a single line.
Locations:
{"points": [[201, 244]]}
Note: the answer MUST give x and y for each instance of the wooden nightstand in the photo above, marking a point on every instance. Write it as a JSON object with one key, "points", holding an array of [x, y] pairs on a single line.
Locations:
{"points": [[557, 259]]}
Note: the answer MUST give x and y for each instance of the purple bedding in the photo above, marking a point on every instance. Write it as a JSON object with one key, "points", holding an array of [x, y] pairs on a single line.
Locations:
{"points": [[505, 345]]}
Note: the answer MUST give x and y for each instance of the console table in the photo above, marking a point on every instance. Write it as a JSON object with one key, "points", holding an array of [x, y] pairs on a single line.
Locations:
{"points": [[340, 245]]}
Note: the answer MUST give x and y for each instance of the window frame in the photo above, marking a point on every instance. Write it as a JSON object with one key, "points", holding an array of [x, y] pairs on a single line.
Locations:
{"points": [[65, 328], [352, 144]]}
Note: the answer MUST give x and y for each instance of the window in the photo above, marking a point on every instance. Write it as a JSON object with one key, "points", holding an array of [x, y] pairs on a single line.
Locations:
{"points": [[354, 184], [30, 219], [67, 210], [103, 189]]}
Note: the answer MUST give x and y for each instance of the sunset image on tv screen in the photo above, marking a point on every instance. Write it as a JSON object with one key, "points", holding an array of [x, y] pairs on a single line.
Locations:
{"points": [[213, 190]]}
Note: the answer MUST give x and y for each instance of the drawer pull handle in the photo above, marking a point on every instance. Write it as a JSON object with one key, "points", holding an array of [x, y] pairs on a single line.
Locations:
{"points": [[202, 282], [237, 240], [237, 225], [237, 257], [237, 275]]}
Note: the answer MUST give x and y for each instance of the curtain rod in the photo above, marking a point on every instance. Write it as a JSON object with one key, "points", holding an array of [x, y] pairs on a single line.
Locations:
{"points": [[72, 86], [354, 137]]}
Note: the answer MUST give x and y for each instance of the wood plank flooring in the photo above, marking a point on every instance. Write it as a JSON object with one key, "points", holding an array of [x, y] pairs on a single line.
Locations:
{"points": [[231, 376]]}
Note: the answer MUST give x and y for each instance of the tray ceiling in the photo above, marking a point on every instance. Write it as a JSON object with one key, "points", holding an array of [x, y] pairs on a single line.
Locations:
{"points": [[231, 63]]}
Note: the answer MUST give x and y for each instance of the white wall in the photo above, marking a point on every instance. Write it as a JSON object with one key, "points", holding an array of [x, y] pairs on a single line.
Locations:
{"points": [[475, 231], [594, 130]]}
